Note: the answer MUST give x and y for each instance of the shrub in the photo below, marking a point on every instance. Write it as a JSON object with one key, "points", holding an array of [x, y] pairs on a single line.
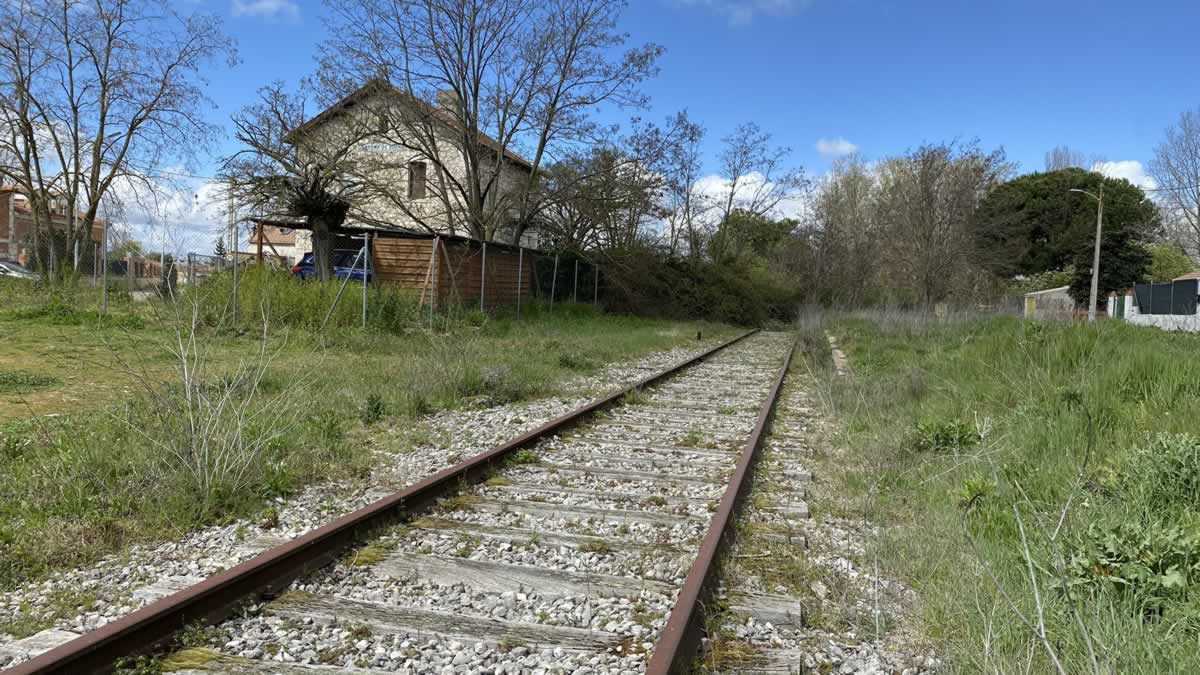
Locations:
{"points": [[22, 381], [642, 281], [1149, 564], [944, 436], [213, 434], [497, 385], [1164, 474], [974, 490], [575, 361], [373, 409]]}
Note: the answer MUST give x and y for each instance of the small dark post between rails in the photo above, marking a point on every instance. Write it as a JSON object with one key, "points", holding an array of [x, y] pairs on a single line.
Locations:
{"points": [[554, 281], [575, 289], [595, 285], [520, 273]]}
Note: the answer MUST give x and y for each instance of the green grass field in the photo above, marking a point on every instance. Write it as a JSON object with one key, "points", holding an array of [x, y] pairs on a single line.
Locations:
{"points": [[1037, 485], [108, 436]]}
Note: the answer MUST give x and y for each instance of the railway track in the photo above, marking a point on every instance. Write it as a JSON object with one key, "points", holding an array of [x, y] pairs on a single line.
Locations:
{"points": [[582, 547]]}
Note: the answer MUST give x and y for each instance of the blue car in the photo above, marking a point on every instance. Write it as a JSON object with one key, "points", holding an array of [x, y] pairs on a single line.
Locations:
{"points": [[342, 267]]}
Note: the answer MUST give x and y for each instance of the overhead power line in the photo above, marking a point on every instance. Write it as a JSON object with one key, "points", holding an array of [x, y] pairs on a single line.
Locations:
{"points": [[1171, 189]]}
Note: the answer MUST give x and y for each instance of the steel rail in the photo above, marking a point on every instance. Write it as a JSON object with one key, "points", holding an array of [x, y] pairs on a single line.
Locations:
{"points": [[679, 644], [268, 573]]}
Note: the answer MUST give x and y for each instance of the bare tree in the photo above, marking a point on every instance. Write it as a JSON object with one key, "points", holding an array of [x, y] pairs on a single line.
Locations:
{"points": [[1176, 168], [278, 175], [99, 91], [524, 74], [681, 170], [620, 193], [757, 181], [927, 197], [1063, 157], [848, 243]]}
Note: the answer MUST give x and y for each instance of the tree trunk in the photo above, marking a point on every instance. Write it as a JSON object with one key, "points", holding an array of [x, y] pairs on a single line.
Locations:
{"points": [[322, 248]]}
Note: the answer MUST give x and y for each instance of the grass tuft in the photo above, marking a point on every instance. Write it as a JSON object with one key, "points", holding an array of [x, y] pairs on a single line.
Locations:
{"points": [[24, 381]]}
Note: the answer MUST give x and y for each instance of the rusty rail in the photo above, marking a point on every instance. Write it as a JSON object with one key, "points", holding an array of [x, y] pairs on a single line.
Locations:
{"points": [[679, 645], [218, 596]]}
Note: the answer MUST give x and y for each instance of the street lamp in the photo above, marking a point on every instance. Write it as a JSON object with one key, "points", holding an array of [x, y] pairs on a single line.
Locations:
{"points": [[1096, 256]]}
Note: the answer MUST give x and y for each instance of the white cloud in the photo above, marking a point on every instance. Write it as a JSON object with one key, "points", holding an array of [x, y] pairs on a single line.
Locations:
{"points": [[714, 189], [188, 213], [1130, 169], [267, 9], [742, 12], [831, 148]]}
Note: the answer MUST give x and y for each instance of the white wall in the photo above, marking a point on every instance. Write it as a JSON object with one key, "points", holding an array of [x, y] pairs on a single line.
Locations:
{"points": [[1164, 321], [1168, 321]]}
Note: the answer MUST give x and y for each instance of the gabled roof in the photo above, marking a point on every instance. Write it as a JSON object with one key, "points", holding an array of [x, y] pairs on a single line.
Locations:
{"points": [[376, 86], [1189, 275]]}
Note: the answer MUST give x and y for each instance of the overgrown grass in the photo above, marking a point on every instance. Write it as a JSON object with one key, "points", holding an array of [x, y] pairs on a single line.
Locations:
{"points": [[103, 453], [1037, 483]]}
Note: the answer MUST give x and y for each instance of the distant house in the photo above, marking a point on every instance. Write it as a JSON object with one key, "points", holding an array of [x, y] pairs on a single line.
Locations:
{"points": [[416, 224], [1051, 303], [280, 242], [413, 177], [16, 224]]}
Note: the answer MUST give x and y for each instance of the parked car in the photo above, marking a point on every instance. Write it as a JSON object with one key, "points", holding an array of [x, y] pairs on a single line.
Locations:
{"points": [[12, 269], [343, 266]]}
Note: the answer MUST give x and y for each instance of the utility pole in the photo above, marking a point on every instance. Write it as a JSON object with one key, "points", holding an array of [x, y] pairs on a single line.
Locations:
{"points": [[1096, 254]]}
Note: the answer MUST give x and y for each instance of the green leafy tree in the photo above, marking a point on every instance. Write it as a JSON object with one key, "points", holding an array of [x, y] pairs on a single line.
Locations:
{"points": [[124, 248], [1124, 261], [1034, 223], [1168, 261], [745, 235]]}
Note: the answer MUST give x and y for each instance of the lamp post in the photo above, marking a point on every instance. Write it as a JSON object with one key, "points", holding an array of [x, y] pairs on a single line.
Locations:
{"points": [[1096, 255]]}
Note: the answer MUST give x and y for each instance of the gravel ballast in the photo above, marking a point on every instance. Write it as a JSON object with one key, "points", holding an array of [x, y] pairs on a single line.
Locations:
{"points": [[84, 599]]}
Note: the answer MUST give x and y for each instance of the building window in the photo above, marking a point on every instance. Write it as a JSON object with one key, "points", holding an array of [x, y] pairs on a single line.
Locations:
{"points": [[416, 180]]}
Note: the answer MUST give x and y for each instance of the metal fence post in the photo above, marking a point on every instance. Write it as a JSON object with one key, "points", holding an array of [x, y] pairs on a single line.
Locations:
{"points": [[104, 270], [366, 278], [483, 276], [520, 273], [434, 272], [341, 289], [554, 281], [233, 244], [575, 289], [595, 285]]}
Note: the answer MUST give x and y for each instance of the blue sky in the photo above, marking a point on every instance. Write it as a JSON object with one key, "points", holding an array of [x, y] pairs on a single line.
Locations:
{"points": [[1103, 77]]}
